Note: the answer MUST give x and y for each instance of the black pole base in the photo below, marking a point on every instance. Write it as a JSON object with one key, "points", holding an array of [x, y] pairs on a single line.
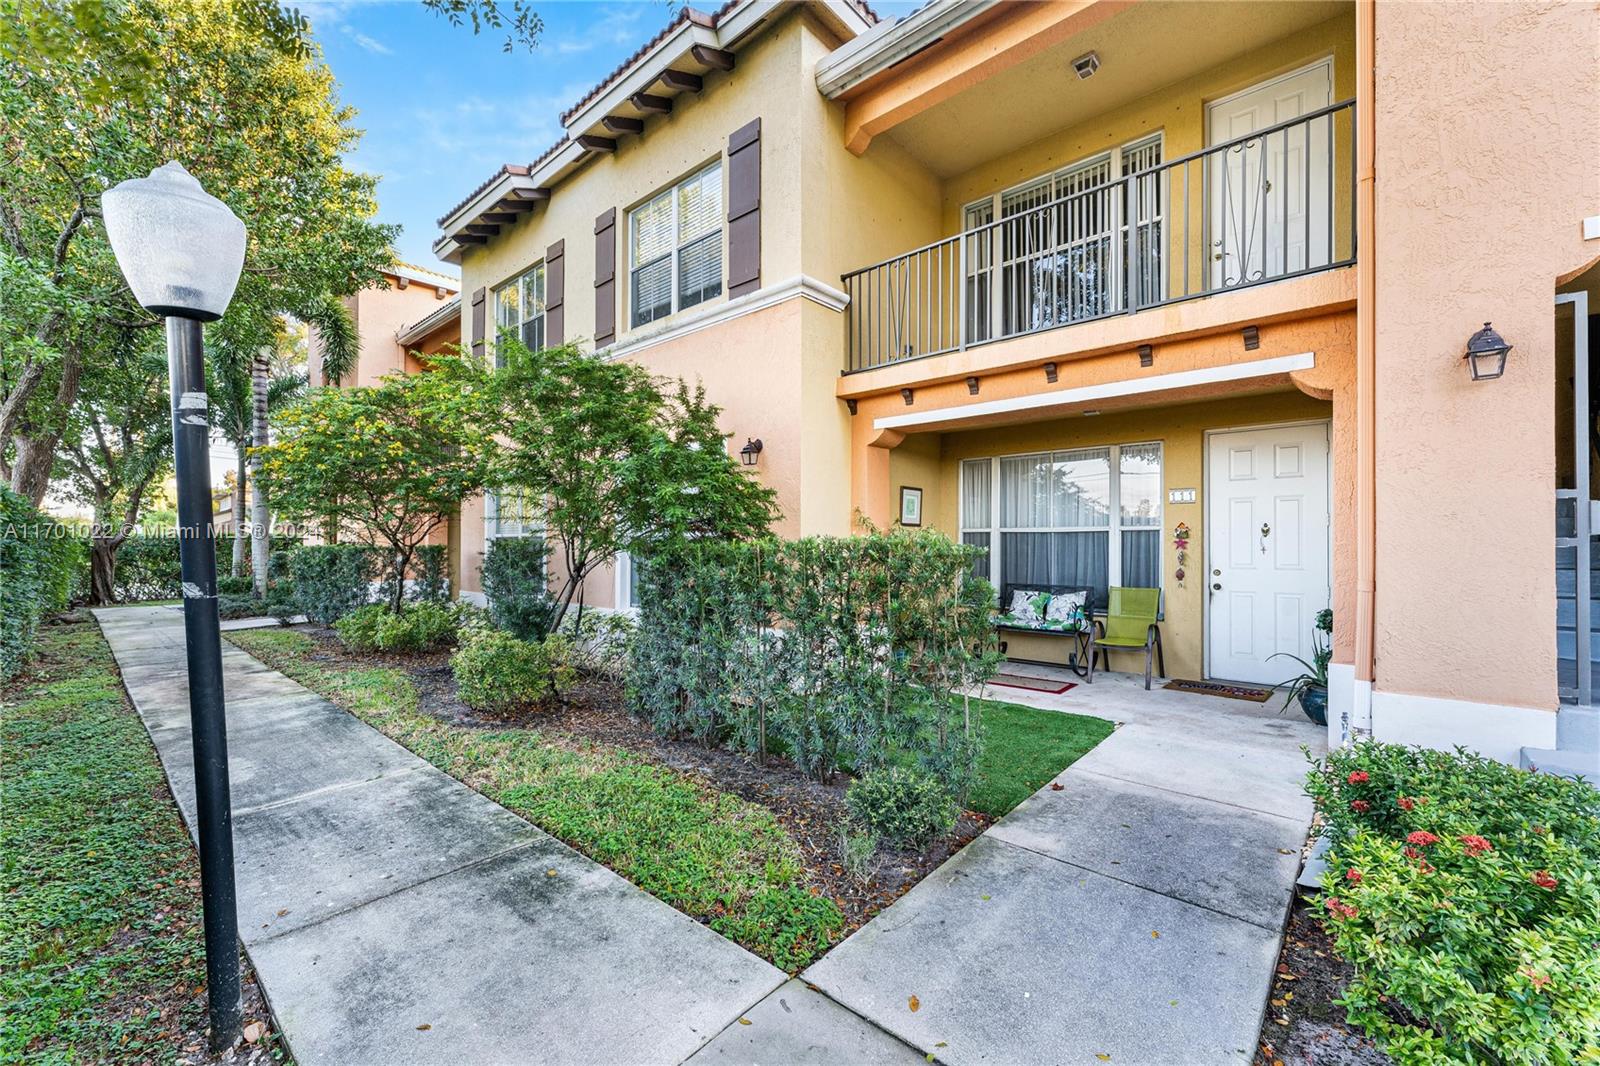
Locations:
{"points": [[191, 437]]}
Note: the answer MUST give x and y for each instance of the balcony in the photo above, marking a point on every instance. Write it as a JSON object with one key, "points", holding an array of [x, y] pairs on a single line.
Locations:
{"points": [[1092, 243]]}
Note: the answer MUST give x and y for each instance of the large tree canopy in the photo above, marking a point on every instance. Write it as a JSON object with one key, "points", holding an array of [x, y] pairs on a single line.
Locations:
{"points": [[387, 464], [91, 94], [619, 460]]}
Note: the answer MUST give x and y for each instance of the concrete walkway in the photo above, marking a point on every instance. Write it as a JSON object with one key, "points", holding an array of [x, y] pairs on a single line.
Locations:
{"points": [[394, 915], [1133, 915]]}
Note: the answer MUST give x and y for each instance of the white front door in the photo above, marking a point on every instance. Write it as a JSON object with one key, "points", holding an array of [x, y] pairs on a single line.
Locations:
{"points": [[1267, 544], [1269, 206]]}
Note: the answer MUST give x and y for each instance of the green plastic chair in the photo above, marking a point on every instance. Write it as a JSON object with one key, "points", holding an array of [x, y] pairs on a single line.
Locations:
{"points": [[1129, 624]]}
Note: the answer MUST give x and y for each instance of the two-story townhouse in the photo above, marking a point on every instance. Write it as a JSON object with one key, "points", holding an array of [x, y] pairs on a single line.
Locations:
{"points": [[416, 312], [1169, 295]]}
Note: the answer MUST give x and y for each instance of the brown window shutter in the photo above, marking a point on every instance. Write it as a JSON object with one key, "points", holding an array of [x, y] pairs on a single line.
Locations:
{"points": [[478, 308], [605, 278], [744, 209], [555, 291]]}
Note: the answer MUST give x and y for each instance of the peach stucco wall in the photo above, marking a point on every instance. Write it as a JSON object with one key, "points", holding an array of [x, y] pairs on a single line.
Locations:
{"points": [[1488, 158]]}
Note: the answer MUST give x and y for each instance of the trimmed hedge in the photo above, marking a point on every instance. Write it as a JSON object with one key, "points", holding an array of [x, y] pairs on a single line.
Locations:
{"points": [[516, 584], [900, 805], [500, 673], [1467, 894], [331, 580], [38, 565], [419, 627], [846, 652]]}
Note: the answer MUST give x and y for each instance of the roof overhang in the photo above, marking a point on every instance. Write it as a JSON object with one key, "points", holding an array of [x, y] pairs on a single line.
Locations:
{"points": [[889, 43], [424, 277], [674, 65], [442, 316]]}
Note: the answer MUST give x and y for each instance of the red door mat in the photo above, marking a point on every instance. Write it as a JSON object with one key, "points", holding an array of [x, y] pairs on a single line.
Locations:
{"points": [[1032, 684]]}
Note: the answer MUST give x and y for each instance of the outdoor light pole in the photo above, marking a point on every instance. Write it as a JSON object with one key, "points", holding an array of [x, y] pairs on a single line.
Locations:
{"points": [[181, 251]]}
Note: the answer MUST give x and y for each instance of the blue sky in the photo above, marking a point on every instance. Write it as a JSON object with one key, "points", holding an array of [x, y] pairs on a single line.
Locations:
{"points": [[442, 108]]}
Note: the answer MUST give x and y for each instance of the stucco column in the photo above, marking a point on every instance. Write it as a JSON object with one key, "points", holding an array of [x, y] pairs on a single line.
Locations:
{"points": [[871, 496]]}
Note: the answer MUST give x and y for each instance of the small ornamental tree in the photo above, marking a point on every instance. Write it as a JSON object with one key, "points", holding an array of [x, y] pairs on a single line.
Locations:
{"points": [[384, 464], [617, 463]]}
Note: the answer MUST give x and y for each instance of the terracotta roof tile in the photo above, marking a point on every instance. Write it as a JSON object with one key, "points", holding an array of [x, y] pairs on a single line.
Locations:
{"points": [[517, 170], [685, 14]]}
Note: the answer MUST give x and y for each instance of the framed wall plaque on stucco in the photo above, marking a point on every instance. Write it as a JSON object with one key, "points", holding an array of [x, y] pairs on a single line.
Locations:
{"points": [[910, 506]]}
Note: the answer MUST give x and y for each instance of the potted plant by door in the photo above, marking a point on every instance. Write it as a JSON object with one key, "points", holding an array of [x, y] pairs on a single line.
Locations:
{"points": [[1312, 686]]}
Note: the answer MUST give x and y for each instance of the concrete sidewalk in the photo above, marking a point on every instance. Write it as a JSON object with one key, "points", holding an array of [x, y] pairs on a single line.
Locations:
{"points": [[1133, 915], [394, 915]]}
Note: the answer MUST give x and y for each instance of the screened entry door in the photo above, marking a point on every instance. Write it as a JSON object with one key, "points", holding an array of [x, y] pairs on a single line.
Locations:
{"points": [[1269, 198], [1267, 530]]}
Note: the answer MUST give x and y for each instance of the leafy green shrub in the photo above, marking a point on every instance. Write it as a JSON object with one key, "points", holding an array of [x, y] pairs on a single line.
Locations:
{"points": [[418, 627], [901, 805], [1465, 892], [281, 602], [235, 586], [331, 580], [37, 561], [842, 651], [430, 574], [500, 673], [517, 588], [239, 605]]}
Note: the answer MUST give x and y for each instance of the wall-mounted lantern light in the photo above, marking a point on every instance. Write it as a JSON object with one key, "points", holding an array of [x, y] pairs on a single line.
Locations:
{"points": [[750, 452], [1486, 354]]}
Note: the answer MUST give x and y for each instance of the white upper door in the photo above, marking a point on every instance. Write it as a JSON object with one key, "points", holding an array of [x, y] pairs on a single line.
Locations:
{"points": [[1267, 526], [1268, 198]]}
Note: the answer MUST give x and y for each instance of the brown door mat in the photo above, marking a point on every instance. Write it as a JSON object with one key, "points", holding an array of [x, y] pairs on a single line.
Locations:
{"points": [[1218, 688], [1032, 684]]}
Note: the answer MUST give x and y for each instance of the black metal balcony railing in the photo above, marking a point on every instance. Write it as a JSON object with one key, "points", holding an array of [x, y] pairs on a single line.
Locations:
{"points": [[1274, 204]]}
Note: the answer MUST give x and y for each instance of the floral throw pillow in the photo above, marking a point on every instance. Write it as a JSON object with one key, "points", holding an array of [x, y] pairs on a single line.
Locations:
{"points": [[1065, 608], [1022, 605]]}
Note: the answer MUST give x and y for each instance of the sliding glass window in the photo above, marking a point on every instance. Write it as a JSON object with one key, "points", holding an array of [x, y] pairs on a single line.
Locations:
{"points": [[1088, 516]]}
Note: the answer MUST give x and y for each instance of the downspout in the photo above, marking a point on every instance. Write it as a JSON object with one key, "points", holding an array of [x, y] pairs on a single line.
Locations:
{"points": [[1366, 398]]}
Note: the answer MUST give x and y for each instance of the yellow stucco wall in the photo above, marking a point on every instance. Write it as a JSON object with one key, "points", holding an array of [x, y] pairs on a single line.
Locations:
{"points": [[1178, 112], [1181, 430]]}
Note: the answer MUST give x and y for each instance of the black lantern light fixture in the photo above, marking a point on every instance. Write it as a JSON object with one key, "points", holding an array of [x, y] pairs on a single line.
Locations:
{"points": [[750, 452], [1486, 354]]}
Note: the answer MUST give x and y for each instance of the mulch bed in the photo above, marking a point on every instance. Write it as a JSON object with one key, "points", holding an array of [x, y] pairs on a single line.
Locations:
{"points": [[811, 811], [1303, 1024]]}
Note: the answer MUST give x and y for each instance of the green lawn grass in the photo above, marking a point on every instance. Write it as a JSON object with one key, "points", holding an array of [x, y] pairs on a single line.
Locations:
{"points": [[102, 957], [1024, 747], [710, 854]]}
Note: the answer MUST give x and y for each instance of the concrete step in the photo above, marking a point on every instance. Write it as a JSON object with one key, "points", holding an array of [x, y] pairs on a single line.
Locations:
{"points": [[1563, 763]]}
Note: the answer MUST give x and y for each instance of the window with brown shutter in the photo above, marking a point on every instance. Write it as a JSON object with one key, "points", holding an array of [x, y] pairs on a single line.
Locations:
{"points": [[555, 291], [605, 278], [478, 321], [744, 209]]}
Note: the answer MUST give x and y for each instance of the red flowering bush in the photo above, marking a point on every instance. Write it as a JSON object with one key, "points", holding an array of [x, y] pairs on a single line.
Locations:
{"points": [[1471, 913]]}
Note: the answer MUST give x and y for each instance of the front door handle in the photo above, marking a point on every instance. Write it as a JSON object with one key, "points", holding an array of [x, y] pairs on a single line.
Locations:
{"points": [[1216, 586]]}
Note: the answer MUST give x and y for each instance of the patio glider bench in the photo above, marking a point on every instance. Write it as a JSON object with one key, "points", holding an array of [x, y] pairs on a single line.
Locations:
{"points": [[1049, 610], [1131, 622]]}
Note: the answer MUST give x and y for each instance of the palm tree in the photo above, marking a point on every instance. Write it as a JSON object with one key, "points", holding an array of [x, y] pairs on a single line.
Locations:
{"points": [[233, 416], [251, 350]]}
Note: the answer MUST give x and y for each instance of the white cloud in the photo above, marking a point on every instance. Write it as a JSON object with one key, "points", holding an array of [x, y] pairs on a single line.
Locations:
{"points": [[509, 130], [615, 25], [372, 45]]}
